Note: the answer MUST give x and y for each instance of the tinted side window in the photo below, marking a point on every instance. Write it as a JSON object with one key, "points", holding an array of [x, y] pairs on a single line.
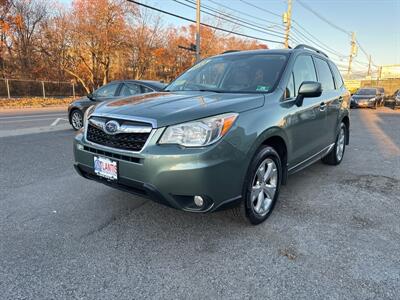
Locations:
{"points": [[130, 89], [303, 70], [338, 76], [324, 75], [107, 90]]}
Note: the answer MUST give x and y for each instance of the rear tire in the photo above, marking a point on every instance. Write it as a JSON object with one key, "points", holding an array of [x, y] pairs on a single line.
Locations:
{"points": [[261, 187], [335, 157]]}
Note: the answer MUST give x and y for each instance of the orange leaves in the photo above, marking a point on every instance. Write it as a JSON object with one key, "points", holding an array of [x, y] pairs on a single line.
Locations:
{"points": [[19, 21], [159, 52], [95, 41]]}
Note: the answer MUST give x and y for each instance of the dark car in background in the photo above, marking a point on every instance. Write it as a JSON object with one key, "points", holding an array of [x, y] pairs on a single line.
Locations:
{"points": [[397, 100], [380, 97], [365, 97], [393, 101], [113, 90]]}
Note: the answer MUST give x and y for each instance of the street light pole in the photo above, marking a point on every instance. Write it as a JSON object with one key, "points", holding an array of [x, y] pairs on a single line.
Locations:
{"points": [[198, 30], [287, 19], [369, 66], [353, 52]]}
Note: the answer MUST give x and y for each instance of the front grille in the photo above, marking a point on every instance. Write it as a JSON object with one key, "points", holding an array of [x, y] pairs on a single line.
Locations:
{"points": [[124, 141]]}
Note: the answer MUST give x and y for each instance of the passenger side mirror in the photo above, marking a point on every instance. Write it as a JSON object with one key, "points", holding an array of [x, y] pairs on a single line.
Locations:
{"points": [[308, 89]]}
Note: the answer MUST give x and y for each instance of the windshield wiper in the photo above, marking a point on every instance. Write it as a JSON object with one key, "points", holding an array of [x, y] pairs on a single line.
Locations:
{"points": [[209, 90]]}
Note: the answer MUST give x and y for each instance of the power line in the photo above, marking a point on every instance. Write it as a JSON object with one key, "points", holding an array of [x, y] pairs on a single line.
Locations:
{"points": [[299, 34], [261, 8], [365, 52], [322, 18], [272, 32], [315, 38], [245, 14], [241, 19], [332, 24], [204, 24]]}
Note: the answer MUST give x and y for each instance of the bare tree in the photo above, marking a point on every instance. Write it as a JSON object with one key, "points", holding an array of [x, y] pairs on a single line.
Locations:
{"points": [[28, 14]]}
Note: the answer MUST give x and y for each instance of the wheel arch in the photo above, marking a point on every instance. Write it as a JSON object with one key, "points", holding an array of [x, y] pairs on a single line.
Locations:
{"points": [[276, 138]]}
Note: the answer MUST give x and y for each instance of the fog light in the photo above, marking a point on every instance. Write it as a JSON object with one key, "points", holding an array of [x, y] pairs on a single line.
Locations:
{"points": [[79, 147], [198, 200]]}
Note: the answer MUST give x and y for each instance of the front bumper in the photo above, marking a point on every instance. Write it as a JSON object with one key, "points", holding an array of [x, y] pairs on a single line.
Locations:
{"points": [[172, 175], [368, 104]]}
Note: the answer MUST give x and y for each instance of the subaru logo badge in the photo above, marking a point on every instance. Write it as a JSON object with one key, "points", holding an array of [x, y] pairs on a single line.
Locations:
{"points": [[111, 127]]}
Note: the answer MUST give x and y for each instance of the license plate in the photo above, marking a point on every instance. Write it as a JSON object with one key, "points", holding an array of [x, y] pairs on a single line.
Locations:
{"points": [[105, 167]]}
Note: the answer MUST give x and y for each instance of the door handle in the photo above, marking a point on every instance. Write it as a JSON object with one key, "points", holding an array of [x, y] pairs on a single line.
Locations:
{"points": [[322, 106]]}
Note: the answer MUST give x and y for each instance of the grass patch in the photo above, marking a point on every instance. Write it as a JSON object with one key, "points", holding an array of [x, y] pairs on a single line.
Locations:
{"points": [[34, 102]]}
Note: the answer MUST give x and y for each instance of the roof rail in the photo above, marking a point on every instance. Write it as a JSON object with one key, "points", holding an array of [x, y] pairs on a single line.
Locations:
{"points": [[304, 46], [230, 51]]}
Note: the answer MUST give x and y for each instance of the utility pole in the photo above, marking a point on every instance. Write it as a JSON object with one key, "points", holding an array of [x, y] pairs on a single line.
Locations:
{"points": [[287, 19], [369, 66], [379, 74], [353, 51], [198, 30]]}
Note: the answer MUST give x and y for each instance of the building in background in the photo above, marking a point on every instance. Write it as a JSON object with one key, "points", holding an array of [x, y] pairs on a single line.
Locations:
{"points": [[390, 71]]}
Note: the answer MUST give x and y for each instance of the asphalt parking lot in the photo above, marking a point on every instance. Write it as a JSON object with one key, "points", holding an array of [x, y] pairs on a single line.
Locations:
{"points": [[335, 233]]}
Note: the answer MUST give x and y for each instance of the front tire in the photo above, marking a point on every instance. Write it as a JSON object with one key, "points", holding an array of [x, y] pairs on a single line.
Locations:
{"points": [[76, 119], [261, 186], [335, 157]]}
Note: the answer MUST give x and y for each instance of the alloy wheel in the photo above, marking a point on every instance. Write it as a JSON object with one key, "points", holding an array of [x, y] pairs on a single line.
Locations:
{"points": [[340, 144], [77, 120], [264, 187]]}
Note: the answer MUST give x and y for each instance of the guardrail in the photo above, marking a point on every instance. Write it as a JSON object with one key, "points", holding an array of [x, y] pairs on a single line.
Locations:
{"points": [[18, 88]]}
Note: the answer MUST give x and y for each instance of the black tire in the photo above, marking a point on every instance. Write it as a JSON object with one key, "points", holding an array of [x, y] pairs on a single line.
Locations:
{"points": [[332, 157], [74, 124], [246, 209]]}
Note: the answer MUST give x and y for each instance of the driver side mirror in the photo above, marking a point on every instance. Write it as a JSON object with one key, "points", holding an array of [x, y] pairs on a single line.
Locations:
{"points": [[308, 89], [90, 96]]}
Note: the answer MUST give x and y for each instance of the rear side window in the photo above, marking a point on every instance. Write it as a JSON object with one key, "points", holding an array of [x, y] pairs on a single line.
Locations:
{"points": [[303, 70], [324, 75], [337, 75]]}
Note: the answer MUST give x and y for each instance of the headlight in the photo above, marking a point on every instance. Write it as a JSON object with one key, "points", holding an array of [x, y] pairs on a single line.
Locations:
{"points": [[199, 133], [372, 99]]}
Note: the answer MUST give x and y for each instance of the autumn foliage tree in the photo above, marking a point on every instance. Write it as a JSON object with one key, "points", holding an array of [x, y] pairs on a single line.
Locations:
{"points": [[95, 41]]}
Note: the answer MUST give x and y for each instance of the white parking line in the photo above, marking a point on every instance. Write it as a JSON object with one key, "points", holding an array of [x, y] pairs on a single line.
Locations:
{"points": [[23, 121], [33, 116], [34, 130], [56, 121]]}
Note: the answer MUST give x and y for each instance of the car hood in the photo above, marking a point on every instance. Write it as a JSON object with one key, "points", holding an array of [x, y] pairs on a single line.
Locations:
{"points": [[83, 101], [168, 108]]}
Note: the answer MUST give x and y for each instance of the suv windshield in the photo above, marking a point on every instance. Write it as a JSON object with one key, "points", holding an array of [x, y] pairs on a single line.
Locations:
{"points": [[366, 92], [246, 73]]}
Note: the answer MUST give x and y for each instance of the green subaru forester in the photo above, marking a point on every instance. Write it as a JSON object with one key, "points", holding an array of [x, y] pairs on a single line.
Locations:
{"points": [[225, 134]]}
